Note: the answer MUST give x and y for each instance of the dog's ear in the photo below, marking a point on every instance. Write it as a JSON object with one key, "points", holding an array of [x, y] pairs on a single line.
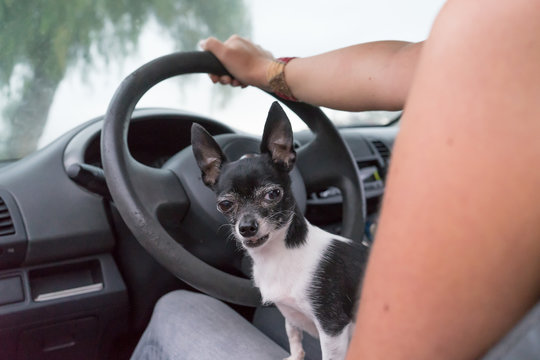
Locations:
{"points": [[208, 154], [278, 138]]}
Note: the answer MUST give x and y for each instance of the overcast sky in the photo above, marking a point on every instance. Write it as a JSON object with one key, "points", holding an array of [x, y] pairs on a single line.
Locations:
{"points": [[286, 28]]}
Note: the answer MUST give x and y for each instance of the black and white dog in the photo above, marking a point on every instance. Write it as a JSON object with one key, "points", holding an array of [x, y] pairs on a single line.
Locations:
{"points": [[311, 275]]}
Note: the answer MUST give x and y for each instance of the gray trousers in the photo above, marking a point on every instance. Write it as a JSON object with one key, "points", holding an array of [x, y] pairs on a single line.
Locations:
{"points": [[187, 325]]}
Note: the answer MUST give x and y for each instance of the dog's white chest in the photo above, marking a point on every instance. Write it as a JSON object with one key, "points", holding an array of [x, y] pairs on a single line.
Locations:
{"points": [[280, 280], [284, 276], [288, 292]]}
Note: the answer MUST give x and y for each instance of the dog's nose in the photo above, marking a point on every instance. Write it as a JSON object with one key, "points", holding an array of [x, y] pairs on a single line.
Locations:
{"points": [[248, 227]]}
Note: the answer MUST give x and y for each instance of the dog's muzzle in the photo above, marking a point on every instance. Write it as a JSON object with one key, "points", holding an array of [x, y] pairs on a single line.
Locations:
{"points": [[255, 242]]}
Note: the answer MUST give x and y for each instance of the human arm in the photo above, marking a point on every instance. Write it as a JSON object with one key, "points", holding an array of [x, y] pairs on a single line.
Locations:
{"points": [[370, 76], [456, 261]]}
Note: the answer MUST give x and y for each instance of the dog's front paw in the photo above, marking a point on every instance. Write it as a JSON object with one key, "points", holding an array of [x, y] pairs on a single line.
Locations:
{"points": [[299, 356]]}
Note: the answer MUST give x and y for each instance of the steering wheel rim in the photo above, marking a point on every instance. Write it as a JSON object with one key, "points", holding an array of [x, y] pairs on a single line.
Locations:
{"points": [[140, 192]]}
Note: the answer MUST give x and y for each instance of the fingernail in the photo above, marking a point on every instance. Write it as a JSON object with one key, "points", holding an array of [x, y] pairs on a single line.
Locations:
{"points": [[202, 44]]}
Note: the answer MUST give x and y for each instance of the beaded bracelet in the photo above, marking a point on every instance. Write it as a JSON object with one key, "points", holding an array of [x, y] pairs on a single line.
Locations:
{"points": [[275, 75]]}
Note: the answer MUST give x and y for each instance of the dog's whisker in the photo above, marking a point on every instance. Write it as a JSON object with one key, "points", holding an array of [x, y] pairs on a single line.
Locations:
{"points": [[281, 215], [231, 237], [231, 226], [282, 212]]}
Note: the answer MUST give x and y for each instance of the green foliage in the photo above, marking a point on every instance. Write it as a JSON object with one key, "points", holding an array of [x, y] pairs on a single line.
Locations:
{"points": [[59, 32], [45, 37]]}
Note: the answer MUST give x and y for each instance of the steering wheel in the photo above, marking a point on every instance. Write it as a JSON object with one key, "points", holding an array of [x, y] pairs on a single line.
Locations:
{"points": [[159, 204]]}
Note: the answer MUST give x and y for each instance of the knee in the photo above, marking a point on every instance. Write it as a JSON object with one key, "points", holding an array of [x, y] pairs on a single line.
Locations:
{"points": [[183, 299], [175, 297]]}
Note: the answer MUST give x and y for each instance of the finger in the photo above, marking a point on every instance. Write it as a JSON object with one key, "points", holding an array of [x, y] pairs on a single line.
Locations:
{"points": [[202, 43], [225, 80], [213, 45], [234, 38], [237, 83], [214, 78]]}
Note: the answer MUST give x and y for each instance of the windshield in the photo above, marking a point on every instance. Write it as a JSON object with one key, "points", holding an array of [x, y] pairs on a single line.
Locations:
{"points": [[61, 61]]}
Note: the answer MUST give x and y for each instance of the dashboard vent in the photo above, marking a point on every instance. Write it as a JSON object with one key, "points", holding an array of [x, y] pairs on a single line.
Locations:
{"points": [[6, 222], [382, 149]]}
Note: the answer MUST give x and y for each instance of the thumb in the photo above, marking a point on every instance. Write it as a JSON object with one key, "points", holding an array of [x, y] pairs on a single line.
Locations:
{"points": [[213, 45]]}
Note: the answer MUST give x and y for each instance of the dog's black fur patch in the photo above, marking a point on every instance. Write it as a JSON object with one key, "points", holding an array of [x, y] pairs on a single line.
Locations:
{"points": [[296, 236], [334, 290]]}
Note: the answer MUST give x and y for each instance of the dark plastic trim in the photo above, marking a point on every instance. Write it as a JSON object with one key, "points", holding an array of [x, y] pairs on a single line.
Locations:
{"points": [[13, 246]]}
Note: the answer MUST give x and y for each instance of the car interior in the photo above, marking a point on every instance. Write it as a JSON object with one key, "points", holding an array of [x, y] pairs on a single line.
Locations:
{"points": [[100, 223], [76, 283]]}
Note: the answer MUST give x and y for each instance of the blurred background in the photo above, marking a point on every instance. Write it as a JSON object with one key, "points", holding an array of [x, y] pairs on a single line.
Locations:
{"points": [[61, 61]]}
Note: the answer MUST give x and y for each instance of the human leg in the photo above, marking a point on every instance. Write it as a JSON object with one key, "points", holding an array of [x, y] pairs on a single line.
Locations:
{"points": [[188, 325]]}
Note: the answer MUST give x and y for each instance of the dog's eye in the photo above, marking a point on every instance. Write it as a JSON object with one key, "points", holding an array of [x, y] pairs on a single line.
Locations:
{"points": [[225, 206], [272, 195]]}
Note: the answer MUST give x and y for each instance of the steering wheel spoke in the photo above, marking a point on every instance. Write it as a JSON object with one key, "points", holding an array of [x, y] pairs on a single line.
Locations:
{"points": [[161, 193]]}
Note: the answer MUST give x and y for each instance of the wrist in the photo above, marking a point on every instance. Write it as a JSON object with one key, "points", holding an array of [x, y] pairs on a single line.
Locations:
{"points": [[275, 78], [259, 76]]}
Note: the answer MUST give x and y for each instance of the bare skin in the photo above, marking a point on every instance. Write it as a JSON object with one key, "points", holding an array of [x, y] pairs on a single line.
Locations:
{"points": [[456, 262], [381, 71]]}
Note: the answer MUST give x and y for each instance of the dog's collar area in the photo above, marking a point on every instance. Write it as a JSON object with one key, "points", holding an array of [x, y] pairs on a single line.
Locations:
{"points": [[256, 242]]}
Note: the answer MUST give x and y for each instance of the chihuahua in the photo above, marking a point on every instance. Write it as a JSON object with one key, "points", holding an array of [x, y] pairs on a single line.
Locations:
{"points": [[312, 276]]}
